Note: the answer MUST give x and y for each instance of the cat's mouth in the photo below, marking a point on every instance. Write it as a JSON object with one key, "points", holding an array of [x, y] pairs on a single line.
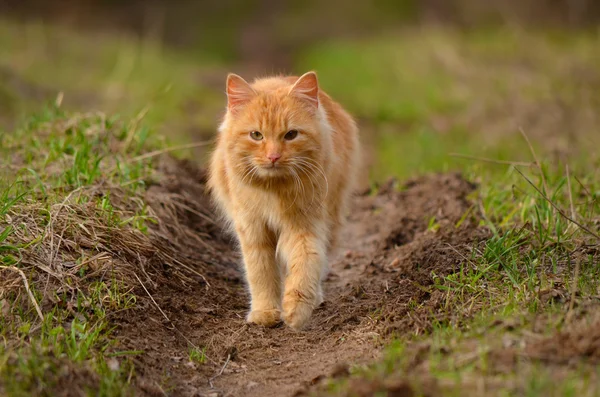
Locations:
{"points": [[272, 169], [272, 166]]}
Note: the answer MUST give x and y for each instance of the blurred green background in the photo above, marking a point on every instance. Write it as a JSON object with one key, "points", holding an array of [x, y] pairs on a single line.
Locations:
{"points": [[425, 79]]}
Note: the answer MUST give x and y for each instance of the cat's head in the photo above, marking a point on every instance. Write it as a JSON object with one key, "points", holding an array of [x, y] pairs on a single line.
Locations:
{"points": [[274, 127]]}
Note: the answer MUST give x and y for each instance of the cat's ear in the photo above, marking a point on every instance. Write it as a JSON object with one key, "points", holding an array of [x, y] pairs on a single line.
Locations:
{"points": [[239, 91], [307, 88]]}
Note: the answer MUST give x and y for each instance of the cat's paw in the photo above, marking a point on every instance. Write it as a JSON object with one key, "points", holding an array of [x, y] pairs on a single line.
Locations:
{"points": [[266, 318], [296, 312]]}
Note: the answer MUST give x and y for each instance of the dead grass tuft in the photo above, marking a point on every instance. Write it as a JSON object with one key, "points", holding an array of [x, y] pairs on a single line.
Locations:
{"points": [[84, 217]]}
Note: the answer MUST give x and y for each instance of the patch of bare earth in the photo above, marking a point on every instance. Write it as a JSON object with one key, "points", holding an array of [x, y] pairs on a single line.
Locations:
{"points": [[379, 285]]}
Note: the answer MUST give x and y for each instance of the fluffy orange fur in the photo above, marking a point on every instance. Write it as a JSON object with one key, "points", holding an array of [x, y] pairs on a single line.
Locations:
{"points": [[282, 173]]}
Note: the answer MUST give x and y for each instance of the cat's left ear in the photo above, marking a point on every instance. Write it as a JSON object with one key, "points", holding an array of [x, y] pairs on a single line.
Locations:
{"points": [[239, 91], [307, 88]]}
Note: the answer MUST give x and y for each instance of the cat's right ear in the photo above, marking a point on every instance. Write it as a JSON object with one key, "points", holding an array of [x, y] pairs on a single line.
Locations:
{"points": [[239, 92]]}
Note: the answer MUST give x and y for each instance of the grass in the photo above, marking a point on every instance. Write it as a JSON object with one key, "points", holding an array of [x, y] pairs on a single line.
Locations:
{"points": [[426, 94], [476, 359], [482, 356], [62, 197], [433, 94], [72, 184], [37, 367], [197, 355], [74, 235], [122, 75]]}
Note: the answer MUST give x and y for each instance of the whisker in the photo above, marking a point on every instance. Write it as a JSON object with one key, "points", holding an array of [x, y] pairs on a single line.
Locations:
{"points": [[314, 165], [246, 173], [254, 172], [297, 182], [310, 173]]}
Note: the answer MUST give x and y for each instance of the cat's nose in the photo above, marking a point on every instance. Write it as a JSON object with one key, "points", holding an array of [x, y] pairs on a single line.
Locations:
{"points": [[274, 157]]}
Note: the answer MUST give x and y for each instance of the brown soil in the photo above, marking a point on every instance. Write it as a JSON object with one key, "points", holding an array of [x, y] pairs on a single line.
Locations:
{"points": [[380, 284], [578, 342]]}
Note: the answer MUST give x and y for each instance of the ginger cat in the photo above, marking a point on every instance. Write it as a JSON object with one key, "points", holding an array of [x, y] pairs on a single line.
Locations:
{"points": [[282, 174]]}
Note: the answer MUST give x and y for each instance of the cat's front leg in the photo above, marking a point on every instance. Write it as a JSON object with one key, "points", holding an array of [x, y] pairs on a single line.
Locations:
{"points": [[304, 250], [262, 272]]}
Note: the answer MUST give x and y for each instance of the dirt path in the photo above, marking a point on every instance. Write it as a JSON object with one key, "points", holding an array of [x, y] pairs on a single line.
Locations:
{"points": [[377, 287]]}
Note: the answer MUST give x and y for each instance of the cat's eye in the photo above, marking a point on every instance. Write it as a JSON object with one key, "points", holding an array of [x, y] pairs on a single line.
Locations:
{"points": [[257, 136], [291, 135]]}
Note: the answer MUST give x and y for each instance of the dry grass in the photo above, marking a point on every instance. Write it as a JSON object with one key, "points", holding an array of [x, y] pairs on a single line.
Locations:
{"points": [[77, 234], [79, 240]]}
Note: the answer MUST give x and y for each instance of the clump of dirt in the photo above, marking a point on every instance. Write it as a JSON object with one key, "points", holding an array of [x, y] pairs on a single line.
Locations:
{"points": [[578, 341], [392, 388], [380, 283]]}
